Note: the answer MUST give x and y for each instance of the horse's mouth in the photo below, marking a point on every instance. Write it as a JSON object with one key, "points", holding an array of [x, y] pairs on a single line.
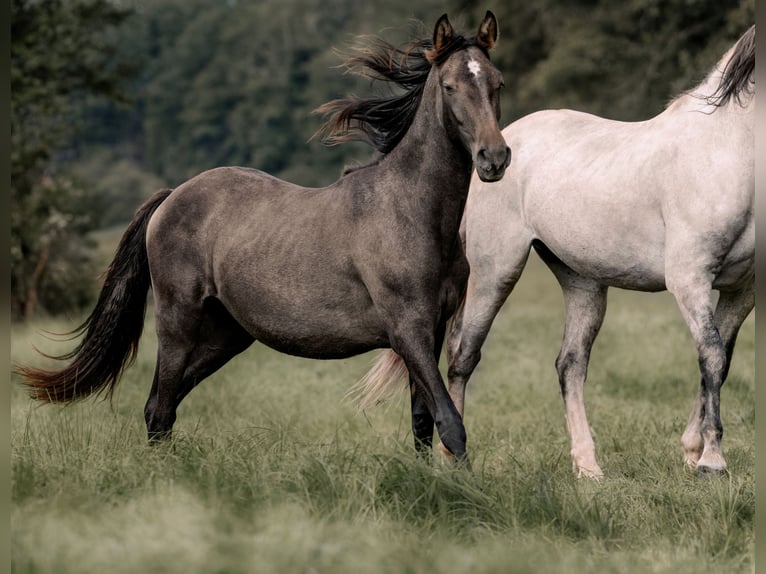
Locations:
{"points": [[491, 174]]}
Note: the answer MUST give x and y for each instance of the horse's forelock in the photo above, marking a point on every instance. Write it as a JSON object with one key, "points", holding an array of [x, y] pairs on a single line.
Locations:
{"points": [[436, 57]]}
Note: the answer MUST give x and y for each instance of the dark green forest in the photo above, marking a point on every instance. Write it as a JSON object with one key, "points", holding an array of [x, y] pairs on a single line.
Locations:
{"points": [[112, 100]]}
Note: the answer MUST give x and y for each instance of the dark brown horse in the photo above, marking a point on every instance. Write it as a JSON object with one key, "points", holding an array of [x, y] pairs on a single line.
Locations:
{"points": [[235, 255]]}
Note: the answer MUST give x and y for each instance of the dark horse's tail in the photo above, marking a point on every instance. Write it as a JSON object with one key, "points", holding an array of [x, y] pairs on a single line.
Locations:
{"points": [[112, 330]]}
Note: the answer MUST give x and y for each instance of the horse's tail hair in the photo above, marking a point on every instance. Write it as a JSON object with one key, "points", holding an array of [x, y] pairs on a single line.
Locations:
{"points": [[455, 324], [387, 375], [112, 330]]}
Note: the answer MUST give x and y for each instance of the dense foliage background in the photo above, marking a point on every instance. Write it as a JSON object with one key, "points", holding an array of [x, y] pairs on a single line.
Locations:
{"points": [[115, 99]]}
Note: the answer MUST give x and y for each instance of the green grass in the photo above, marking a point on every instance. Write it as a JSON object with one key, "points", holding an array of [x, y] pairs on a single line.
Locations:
{"points": [[271, 471]]}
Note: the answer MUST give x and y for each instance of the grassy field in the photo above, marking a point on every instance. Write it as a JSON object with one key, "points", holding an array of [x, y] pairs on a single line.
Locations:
{"points": [[272, 471]]}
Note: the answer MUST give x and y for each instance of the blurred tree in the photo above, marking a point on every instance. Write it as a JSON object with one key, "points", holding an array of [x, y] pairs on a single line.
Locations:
{"points": [[59, 50], [234, 83], [621, 60]]}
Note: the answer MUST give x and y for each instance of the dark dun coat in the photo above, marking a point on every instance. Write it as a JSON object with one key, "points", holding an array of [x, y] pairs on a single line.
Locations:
{"points": [[236, 255]]}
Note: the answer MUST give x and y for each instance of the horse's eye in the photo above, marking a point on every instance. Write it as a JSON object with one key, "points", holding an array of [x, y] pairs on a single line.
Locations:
{"points": [[449, 88]]}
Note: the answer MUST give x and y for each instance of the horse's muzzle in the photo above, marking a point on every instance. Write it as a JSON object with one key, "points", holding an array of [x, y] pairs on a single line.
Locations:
{"points": [[491, 162]]}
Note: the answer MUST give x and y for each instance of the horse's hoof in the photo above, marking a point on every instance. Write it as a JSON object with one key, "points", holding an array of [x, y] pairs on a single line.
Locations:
{"points": [[592, 470], [463, 462], [711, 464], [704, 471], [595, 475]]}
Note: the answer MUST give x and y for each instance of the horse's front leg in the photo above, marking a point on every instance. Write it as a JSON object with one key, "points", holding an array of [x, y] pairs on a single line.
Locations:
{"points": [[422, 420], [416, 347], [585, 304]]}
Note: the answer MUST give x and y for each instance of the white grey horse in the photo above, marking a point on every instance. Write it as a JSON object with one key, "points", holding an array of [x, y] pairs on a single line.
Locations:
{"points": [[665, 203]]}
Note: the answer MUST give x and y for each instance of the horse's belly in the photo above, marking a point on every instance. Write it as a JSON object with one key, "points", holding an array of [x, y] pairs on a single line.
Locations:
{"points": [[636, 275], [626, 264], [313, 327], [617, 244], [335, 344]]}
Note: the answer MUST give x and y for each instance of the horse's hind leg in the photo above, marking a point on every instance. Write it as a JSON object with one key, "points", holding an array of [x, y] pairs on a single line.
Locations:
{"points": [[189, 351], [732, 309], [694, 296]]}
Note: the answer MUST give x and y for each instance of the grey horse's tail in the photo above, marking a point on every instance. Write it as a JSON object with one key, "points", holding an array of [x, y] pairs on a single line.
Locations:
{"points": [[112, 330], [387, 376]]}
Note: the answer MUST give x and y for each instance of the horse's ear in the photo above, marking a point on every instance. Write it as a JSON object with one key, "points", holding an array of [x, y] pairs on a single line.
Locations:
{"points": [[487, 35], [443, 33]]}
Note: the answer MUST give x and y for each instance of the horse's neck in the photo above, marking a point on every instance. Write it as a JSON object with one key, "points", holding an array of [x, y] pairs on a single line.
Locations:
{"points": [[435, 169]]}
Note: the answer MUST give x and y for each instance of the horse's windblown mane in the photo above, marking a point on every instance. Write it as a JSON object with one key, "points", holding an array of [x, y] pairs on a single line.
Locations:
{"points": [[382, 121], [737, 75]]}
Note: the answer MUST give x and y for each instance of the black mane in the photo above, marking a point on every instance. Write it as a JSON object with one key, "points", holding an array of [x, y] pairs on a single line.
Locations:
{"points": [[737, 77], [382, 121]]}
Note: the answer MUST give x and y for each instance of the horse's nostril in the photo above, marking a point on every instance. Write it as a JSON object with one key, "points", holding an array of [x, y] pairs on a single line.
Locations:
{"points": [[493, 160]]}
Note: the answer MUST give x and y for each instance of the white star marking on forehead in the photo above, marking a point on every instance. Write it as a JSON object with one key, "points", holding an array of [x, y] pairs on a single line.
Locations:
{"points": [[474, 67]]}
